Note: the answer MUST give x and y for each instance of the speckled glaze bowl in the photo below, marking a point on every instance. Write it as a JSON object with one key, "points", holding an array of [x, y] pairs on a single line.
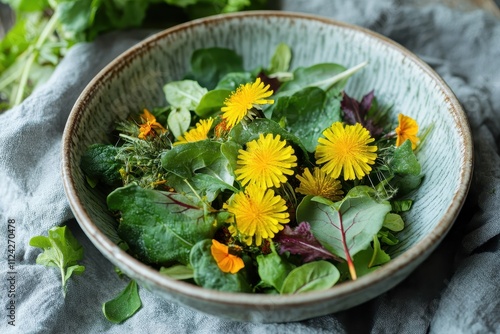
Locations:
{"points": [[135, 79]]}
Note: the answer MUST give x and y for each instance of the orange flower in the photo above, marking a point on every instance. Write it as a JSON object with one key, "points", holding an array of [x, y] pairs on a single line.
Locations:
{"points": [[407, 129], [149, 125], [227, 262]]}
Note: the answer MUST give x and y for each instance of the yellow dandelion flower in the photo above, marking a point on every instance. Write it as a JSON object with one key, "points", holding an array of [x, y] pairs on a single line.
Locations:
{"points": [[346, 150], [319, 184], [226, 262], [199, 132], [243, 99], [265, 162], [258, 212], [149, 125], [407, 129]]}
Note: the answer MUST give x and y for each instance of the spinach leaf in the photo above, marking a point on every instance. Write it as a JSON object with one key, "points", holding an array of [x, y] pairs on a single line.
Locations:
{"points": [[161, 227], [99, 163], [123, 306], [208, 275], [208, 66], [308, 112], [178, 272], [273, 269], [61, 250], [379, 256], [312, 276], [212, 102], [393, 222], [232, 81], [280, 61], [404, 160]]}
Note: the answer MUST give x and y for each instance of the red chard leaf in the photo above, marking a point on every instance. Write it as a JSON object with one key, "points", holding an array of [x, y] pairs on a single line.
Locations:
{"points": [[301, 241]]}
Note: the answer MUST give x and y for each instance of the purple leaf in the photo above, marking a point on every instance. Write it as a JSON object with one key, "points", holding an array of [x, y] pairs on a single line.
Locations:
{"points": [[301, 241], [356, 112]]}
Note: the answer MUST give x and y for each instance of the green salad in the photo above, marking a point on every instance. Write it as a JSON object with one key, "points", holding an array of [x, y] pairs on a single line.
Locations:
{"points": [[265, 181]]}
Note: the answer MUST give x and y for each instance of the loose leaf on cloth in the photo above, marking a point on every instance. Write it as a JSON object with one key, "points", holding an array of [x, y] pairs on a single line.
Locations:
{"points": [[61, 250], [346, 227], [300, 240], [312, 276], [208, 275], [161, 227], [123, 306]]}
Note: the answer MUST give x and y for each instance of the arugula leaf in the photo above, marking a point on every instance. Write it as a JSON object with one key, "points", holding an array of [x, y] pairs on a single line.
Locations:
{"points": [[123, 306], [61, 250]]}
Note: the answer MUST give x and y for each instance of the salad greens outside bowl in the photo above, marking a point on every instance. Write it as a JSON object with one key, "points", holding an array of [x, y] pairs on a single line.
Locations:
{"points": [[135, 81]]}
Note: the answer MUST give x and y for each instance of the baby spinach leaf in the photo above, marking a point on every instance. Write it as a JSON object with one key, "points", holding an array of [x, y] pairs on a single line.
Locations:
{"points": [[394, 222], [280, 61], [273, 269], [179, 120], [301, 241], [161, 227], [209, 65], [404, 160], [379, 256], [406, 183], [208, 275], [232, 81], [61, 250], [212, 102], [123, 306], [306, 114], [99, 162], [184, 94], [312, 276], [401, 205], [178, 272]]}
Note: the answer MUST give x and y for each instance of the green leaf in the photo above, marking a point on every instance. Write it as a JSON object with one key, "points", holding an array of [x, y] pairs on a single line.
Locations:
{"points": [[232, 81], [212, 102], [312, 276], [179, 120], [404, 160], [319, 75], [379, 256], [208, 66], [387, 237], [208, 275], [123, 306], [61, 250], [20, 6], [406, 183], [99, 162], [280, 61], [75, 16], [394, 222], [273, 269], [198, 157], [161, 227], [401, 205], [346, 227], [242, 135], [184, 94], [178, 272], [307, 112]]}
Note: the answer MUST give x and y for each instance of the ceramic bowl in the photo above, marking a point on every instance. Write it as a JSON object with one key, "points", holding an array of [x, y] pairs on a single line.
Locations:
{"points": [[135, 79]]}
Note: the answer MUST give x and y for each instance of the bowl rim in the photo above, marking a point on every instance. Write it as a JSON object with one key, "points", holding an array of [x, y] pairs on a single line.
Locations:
{"points": [[111, 251]]}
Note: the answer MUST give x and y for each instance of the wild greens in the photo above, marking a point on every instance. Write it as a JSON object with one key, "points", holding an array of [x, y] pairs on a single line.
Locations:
{"points": [[188, 204]]}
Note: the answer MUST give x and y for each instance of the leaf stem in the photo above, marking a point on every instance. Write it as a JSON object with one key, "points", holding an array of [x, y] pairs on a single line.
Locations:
{"points": [[48, 29], [350, 263]]}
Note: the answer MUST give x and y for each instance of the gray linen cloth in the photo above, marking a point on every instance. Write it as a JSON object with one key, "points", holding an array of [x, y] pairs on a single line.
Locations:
{"points": [[457, 290]]}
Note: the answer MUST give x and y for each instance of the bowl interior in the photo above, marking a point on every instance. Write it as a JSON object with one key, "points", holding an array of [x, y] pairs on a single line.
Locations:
{"points": [[135, 79]]}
